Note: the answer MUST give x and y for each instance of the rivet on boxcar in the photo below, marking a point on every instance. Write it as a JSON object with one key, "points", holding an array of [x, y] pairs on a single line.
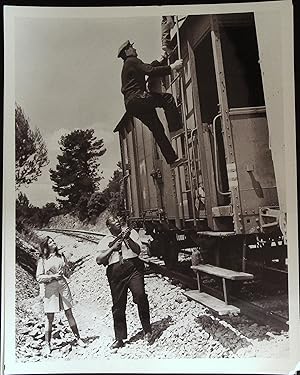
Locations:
{"points": [[245, 211], [241, 228], [257, 219], [257, 227]]}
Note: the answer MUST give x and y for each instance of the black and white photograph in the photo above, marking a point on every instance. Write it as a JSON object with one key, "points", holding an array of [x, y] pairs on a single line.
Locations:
{"points": [[150, 194]]}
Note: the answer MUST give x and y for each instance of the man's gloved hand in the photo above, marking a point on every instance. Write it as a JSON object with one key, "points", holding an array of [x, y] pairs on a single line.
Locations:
{"points": [[177, 65]]}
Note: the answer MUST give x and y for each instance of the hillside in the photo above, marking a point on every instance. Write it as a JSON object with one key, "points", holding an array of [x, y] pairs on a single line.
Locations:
{"points": [[69, 221]]}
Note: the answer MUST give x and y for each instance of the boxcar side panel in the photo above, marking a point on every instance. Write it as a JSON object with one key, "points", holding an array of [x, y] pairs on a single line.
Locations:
{"points": [[254, 166], [134, 178], [141, 166], [126, 166], [168, 186], [145, 148]]}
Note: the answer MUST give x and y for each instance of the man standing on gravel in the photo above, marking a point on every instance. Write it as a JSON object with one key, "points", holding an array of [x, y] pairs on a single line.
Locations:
{"points": [[120, 251]]}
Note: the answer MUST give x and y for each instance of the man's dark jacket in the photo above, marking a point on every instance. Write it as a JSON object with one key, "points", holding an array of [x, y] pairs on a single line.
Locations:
{"points": [[133, 76]]}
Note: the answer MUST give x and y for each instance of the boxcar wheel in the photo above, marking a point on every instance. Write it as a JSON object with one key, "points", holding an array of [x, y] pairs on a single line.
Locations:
{"points": [[155, 248], [171, 259], [165, 247], [171, 251]]}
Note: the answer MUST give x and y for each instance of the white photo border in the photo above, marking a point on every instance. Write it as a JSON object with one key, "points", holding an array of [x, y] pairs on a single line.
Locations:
{"points": [[262, 365]]}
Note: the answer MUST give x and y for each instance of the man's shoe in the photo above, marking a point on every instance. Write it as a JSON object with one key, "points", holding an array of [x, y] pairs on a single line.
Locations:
{"points": [[172, 159], [117, 344], [148, 338], [178, 162]]}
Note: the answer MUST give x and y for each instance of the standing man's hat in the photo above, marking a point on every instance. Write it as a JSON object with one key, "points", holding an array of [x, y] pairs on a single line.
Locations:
{"points": [[123, 46]]}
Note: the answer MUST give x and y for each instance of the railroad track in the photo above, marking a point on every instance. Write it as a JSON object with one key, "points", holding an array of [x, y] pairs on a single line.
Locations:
{"points": [[250, 309], [83, 234]]}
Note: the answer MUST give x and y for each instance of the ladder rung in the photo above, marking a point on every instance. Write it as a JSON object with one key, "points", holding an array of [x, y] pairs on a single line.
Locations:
{"points": [[174, 80]]}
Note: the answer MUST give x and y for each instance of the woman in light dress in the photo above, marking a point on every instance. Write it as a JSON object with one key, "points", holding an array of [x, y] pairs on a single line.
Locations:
{"points": [[51, 272]]}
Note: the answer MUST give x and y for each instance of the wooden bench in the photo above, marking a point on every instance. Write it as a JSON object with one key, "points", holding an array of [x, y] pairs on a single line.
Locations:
{"points": [[224, 273]]}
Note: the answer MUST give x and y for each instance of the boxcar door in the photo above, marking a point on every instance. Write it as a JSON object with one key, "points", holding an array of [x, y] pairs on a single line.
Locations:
{"points": [[206, 108], [249, 166]]}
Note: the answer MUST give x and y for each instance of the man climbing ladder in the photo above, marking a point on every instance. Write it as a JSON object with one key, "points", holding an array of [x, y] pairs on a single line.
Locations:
{"points": [[142, 104]]}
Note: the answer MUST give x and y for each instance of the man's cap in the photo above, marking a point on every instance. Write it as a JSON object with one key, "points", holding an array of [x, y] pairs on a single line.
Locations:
{"points": [[123, 46]]}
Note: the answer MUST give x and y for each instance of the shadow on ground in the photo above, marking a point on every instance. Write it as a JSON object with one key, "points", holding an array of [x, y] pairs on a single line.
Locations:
{"points": [[157, 330], [77, 265]]}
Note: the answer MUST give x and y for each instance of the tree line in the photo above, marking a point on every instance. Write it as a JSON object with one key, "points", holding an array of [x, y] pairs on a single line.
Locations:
{"points": [[76, 177]]}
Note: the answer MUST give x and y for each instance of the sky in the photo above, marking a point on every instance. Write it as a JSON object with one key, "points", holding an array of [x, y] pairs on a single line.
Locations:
{"points": [[67, 76]]}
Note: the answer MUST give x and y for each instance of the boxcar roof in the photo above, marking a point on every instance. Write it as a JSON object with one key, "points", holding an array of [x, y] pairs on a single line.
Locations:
{"points": [[122, 122]]}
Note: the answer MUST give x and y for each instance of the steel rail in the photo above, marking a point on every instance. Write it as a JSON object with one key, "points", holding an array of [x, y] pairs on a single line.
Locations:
{"points": [[73, 230], [75, 233]]}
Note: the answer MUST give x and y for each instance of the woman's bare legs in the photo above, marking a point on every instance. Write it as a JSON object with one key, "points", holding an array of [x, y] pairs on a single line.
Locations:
{"points": [[73, 326], [48, 331]]}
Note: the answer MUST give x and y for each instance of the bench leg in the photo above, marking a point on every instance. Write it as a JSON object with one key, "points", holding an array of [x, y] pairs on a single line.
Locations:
{"points": [[225, 291], [199, 281], [244, 259], [218, 256]]}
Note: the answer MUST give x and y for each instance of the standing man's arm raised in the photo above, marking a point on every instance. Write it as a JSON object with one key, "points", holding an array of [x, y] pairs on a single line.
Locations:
{"points": [[132, 240], [105, 251]]}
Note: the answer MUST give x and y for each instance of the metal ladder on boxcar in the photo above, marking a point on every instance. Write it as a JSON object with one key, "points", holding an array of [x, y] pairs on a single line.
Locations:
{"points": [[190, 161]]}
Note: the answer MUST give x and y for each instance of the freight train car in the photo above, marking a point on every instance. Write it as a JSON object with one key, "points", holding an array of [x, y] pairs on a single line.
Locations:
{"points": [[224, 197]]}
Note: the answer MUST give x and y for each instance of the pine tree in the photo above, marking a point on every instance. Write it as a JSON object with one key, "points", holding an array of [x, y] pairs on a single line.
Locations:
{"points": [[77, 172], [23, 211], [30, 149], [114, 192]]}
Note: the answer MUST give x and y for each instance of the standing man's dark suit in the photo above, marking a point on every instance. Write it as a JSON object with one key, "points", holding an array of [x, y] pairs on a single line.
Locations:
{"points": [[124, 271]]}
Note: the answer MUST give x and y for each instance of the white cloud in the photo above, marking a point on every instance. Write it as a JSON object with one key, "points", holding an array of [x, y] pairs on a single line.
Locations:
{"points": [[52, 139]]}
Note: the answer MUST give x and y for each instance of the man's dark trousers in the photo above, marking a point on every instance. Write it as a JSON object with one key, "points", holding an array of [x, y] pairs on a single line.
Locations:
{"points": [[122, 277], [143, 106]]}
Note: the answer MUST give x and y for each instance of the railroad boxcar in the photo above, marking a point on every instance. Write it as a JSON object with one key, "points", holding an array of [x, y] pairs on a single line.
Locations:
{"points": [[228, 196]]}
